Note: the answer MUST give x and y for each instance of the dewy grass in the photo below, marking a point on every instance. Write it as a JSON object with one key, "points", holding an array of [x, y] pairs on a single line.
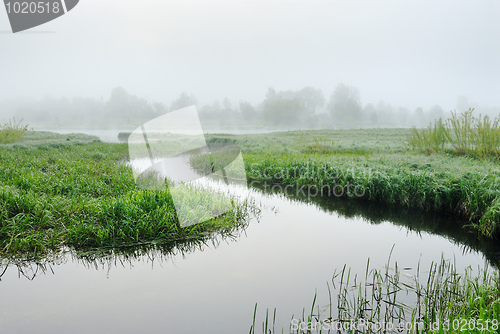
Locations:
{"points": [[82, 195], [389, 301]]}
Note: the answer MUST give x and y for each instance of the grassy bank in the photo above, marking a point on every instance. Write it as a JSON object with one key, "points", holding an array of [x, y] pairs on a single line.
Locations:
{"points": [[75, 191], [376, 165]]}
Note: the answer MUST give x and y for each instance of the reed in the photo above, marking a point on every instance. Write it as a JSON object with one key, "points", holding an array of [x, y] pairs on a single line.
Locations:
{"points": [[462, 134], [390, 301]]}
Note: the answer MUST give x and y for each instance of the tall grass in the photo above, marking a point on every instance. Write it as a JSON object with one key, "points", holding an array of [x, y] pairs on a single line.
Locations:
{"points": [[487, 139], [12, 131], [460, 134], [431, 139]]}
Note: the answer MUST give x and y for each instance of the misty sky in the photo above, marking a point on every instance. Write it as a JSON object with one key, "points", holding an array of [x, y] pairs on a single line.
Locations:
{"points": [[409, 53]]}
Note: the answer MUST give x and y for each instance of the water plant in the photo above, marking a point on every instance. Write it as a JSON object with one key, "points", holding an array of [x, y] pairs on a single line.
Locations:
{"points": [[388, 300]]}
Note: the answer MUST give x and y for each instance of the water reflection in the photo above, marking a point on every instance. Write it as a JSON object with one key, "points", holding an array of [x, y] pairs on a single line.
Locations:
{"points": [[452, 228], [107, 258]]}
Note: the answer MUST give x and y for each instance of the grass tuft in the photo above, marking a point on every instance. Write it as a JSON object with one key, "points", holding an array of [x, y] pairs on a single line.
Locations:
{"points": [[12, 131], [460, 134]]}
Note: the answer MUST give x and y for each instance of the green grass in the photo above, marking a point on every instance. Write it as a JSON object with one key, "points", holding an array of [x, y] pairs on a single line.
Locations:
{"points": [[110, 256], [12, 131], [441, 301], [77, 192]]}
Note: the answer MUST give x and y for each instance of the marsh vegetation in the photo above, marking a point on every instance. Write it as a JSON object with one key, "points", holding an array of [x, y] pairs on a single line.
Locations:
{"points": [[462, 133], [74, 192]]}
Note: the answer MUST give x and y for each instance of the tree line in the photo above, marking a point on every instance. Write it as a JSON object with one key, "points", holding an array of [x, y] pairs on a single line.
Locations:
{"points": [[304, 108]]}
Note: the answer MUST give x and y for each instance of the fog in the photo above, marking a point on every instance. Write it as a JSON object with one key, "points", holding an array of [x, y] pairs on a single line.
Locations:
{"points": [[412, 58]]}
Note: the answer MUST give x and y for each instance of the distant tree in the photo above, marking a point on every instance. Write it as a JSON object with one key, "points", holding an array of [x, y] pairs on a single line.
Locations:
{"points": [[227, 105], [219, 110], [282, 111], [159, 108], [386, 115], [435, 112], [87, 111], [311, 98], [126, 108], [271, 92], [373, 118], [228, 111], [184, 100], [118, 103], [205, 112], [248, 112], [282, 108], [345, 106]]}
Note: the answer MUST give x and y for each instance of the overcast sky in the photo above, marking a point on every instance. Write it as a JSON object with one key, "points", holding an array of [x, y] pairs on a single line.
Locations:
{"points": [[410, 53]]}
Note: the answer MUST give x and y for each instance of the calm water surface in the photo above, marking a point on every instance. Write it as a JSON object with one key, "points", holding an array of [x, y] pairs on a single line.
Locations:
{"points": [[279, 261]]}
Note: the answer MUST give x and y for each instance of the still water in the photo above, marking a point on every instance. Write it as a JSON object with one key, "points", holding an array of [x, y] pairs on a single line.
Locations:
{"points": [[278, 261]]}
